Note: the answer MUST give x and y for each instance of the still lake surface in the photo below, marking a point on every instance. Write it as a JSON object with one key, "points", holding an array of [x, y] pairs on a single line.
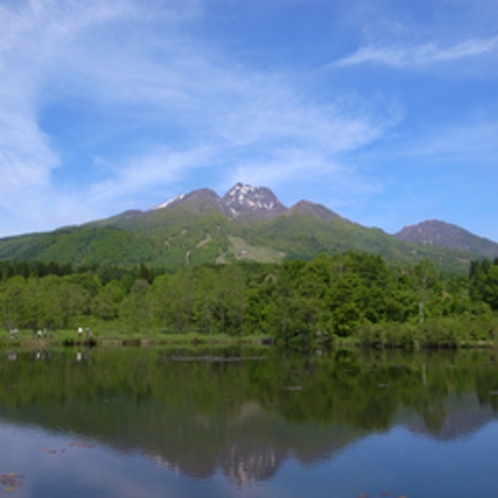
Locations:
{"points": [[157, 422]]}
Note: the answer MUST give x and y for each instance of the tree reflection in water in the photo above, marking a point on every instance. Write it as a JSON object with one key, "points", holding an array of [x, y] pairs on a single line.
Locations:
{"points": [[246, 412]]}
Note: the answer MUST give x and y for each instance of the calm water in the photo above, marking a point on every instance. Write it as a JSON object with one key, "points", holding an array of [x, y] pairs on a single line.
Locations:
{"points": [[256, 423]]}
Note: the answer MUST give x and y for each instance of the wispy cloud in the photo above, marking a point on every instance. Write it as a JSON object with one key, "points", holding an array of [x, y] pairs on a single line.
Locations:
{"points": [[419, 55], [341, 183], [142, 63], [33, 35], [470, 143], [147, 173]]}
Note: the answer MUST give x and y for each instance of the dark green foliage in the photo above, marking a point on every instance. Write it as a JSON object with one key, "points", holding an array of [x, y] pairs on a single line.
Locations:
{"points": [[300, 304], [484, 282], [11, 268]]}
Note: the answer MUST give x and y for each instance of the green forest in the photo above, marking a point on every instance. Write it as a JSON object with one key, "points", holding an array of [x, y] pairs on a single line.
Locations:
{"points": [[347, 297]]}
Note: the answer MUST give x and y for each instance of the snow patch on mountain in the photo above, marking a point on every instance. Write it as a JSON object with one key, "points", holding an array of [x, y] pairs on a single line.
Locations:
{"points": [[245, 198], [169, 202], [241, 200]]}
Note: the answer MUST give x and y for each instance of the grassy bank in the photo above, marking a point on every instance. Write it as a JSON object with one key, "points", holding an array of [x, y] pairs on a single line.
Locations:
{"points": [[445, 332], [117, 337], [470, 332]]}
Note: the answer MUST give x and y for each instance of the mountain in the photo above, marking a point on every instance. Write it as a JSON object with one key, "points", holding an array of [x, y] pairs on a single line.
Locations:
{"points": [[199, 201], [246, 223], [439, 233], [244, 201], [241, 202], [314, 210]]}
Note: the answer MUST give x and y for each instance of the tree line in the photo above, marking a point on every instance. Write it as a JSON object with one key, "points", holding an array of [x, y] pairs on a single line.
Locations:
{"points": [[350, 294]]}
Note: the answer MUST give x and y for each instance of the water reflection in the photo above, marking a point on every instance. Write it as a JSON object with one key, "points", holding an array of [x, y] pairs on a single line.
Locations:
{"points": [[248, 415]]}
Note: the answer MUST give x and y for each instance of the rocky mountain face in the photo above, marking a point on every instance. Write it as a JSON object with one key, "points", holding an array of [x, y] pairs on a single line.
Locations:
{"points": [[257, 202], [244, 202], [439, 233]]}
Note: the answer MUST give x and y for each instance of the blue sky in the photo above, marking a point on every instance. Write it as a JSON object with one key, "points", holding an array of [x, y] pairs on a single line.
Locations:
{"points": [[385, 111]]}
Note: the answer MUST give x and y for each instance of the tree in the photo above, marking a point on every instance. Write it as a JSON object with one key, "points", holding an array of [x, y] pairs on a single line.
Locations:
{"points": [[136, 308], [106, 303], [12, 302], [425, 278]]}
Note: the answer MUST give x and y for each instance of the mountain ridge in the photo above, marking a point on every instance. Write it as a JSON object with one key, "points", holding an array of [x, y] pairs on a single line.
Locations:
{"points": [[443, 234], [242, 201], [246, 223]]}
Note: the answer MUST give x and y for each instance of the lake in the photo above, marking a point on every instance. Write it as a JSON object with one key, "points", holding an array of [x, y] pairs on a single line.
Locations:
{"points": [[159, 422]]}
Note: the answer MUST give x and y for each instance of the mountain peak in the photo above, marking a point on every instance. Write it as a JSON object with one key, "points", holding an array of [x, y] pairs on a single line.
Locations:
{"points": [[200, 200], [440, 233], [241, 201], [251, 201], [170, 202], [313, 209], [241, 188]]}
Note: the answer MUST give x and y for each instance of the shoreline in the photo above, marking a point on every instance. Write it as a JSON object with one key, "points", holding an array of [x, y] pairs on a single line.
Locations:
{"points": [[192, 340], [130, 341]]}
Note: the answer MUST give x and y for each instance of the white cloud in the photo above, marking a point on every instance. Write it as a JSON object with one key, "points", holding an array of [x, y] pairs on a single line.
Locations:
{"points": [[142, 63], [285, 165], [32, 36], [421, 55], [341, 181], [142, 174]]}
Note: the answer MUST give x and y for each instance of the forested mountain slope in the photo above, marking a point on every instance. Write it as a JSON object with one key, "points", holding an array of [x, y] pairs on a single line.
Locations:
{"points": [[439, 233], [201, 227]]}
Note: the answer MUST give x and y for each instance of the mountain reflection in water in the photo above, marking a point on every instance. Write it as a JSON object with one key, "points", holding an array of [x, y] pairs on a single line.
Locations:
{"points": [[245, 413]]}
